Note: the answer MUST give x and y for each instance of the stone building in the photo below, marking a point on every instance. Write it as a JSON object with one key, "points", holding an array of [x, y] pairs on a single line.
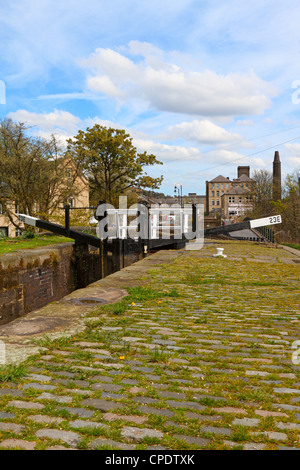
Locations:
{"points": [[214, 191], [225, 197]]}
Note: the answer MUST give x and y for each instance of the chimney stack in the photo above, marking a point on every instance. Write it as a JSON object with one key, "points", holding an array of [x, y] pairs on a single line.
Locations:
{"points": [[276, 177], [244, 170]]}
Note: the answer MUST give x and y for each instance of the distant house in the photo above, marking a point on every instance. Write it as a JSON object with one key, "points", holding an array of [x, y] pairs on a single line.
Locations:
{"points": [[236, 202], [214, 191], [225, 197]]}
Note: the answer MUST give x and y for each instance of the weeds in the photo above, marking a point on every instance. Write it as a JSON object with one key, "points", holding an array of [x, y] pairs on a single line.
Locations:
{"points": [[12, 372]]}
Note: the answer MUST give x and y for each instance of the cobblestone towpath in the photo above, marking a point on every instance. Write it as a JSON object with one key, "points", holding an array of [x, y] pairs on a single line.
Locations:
{"points": [[201, 354]]}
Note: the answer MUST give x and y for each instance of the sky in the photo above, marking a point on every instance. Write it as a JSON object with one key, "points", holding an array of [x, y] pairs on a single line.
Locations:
{"points": [[206, 86]]}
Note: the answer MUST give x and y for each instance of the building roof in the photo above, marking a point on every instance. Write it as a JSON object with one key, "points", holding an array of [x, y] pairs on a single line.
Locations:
{"points": [[236, 191], [242, 178], [220, 179]]}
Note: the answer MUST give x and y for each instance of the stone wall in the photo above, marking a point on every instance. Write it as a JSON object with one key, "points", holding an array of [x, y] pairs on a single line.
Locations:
{"points": [[30, 279]]}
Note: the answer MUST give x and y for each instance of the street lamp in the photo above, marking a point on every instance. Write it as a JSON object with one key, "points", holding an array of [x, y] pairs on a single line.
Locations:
{"points": [[178, 190]]}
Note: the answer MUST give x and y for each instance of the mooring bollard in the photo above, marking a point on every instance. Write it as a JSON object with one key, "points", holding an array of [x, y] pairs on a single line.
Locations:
{"points": [[219, 253]]}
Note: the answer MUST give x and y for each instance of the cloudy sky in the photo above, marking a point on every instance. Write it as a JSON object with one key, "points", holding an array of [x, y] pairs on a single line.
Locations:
{"points": [[204, 85]]}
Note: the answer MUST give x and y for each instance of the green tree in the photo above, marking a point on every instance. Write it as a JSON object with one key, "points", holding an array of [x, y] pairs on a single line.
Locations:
{"points": [[289, 207], [32, 173], [111, 162]]}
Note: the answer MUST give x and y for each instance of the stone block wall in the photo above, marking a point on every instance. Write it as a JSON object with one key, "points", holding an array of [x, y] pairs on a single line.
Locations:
{"points": [[30, 279]]}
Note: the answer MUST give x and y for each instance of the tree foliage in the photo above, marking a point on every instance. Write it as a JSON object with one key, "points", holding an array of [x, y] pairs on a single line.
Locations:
{"points": [[32, 173], [262, 204], [289, 207], [111, 162]]}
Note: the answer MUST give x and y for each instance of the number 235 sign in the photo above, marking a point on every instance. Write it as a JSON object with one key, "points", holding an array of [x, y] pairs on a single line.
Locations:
{"points": [[272, 220]]}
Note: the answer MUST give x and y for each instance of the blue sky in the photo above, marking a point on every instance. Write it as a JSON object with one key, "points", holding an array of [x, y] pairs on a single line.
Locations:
{"points": [[204, 85]]}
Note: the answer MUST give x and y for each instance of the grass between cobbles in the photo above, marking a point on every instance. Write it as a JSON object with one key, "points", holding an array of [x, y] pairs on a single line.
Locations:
{"points": [[202, 303]]}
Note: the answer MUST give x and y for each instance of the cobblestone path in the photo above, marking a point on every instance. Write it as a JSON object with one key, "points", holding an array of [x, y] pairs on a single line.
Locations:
{"points": [[201, 357]]}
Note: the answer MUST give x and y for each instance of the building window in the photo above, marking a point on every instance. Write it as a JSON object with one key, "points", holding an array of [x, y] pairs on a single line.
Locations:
{"points": [[218, 193], [212, 194], [212, 202], [218, 202], [231, 199], [3, 232], [218, 185], [240, 200], [227, 185], [212, 186], [68, 173]]}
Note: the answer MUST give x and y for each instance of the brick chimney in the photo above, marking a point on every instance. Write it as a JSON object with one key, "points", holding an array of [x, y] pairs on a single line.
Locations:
{"points": [[276, 177], [243, 170]]}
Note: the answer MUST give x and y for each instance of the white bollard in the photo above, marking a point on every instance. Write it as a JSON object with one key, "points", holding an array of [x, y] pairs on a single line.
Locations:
{"points": [[219, 253]]}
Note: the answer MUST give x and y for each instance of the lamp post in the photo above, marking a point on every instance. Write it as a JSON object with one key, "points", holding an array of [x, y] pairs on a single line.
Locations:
{"points": [[178, 191]]}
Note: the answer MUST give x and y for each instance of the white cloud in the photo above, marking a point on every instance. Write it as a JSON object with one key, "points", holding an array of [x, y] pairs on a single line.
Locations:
{"points": [[60, 123], [168, 87], [203, 132]]}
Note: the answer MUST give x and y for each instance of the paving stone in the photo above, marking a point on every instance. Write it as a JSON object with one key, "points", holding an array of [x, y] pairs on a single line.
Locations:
{"points": [[286, 390], [87, 344], [185, 404], [173, 395], [192, 415], [156, 411], [24, 405], [113, 396], [80, 424], [36, 386], [291, 426], [15, 428], [17, 444], [287, 448], [286, 407], [39, 377], [129, 382], [136, 390], [106, 387], [101, 378], [58, 448], [69, 437], [102, 405], [214, 430], [4, 415], [64, 374], [43, 419], [109, 442], [81, 412], [246, 422], [131, 418], [266, 413], [10, 391], [145, 400], [273, 435], [253, 446], [137, 434], [229, 409], [57, 398], [198, 441]]}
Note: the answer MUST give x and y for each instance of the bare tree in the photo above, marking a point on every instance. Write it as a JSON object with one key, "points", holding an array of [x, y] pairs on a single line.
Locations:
{"points": [[32, 173]]}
